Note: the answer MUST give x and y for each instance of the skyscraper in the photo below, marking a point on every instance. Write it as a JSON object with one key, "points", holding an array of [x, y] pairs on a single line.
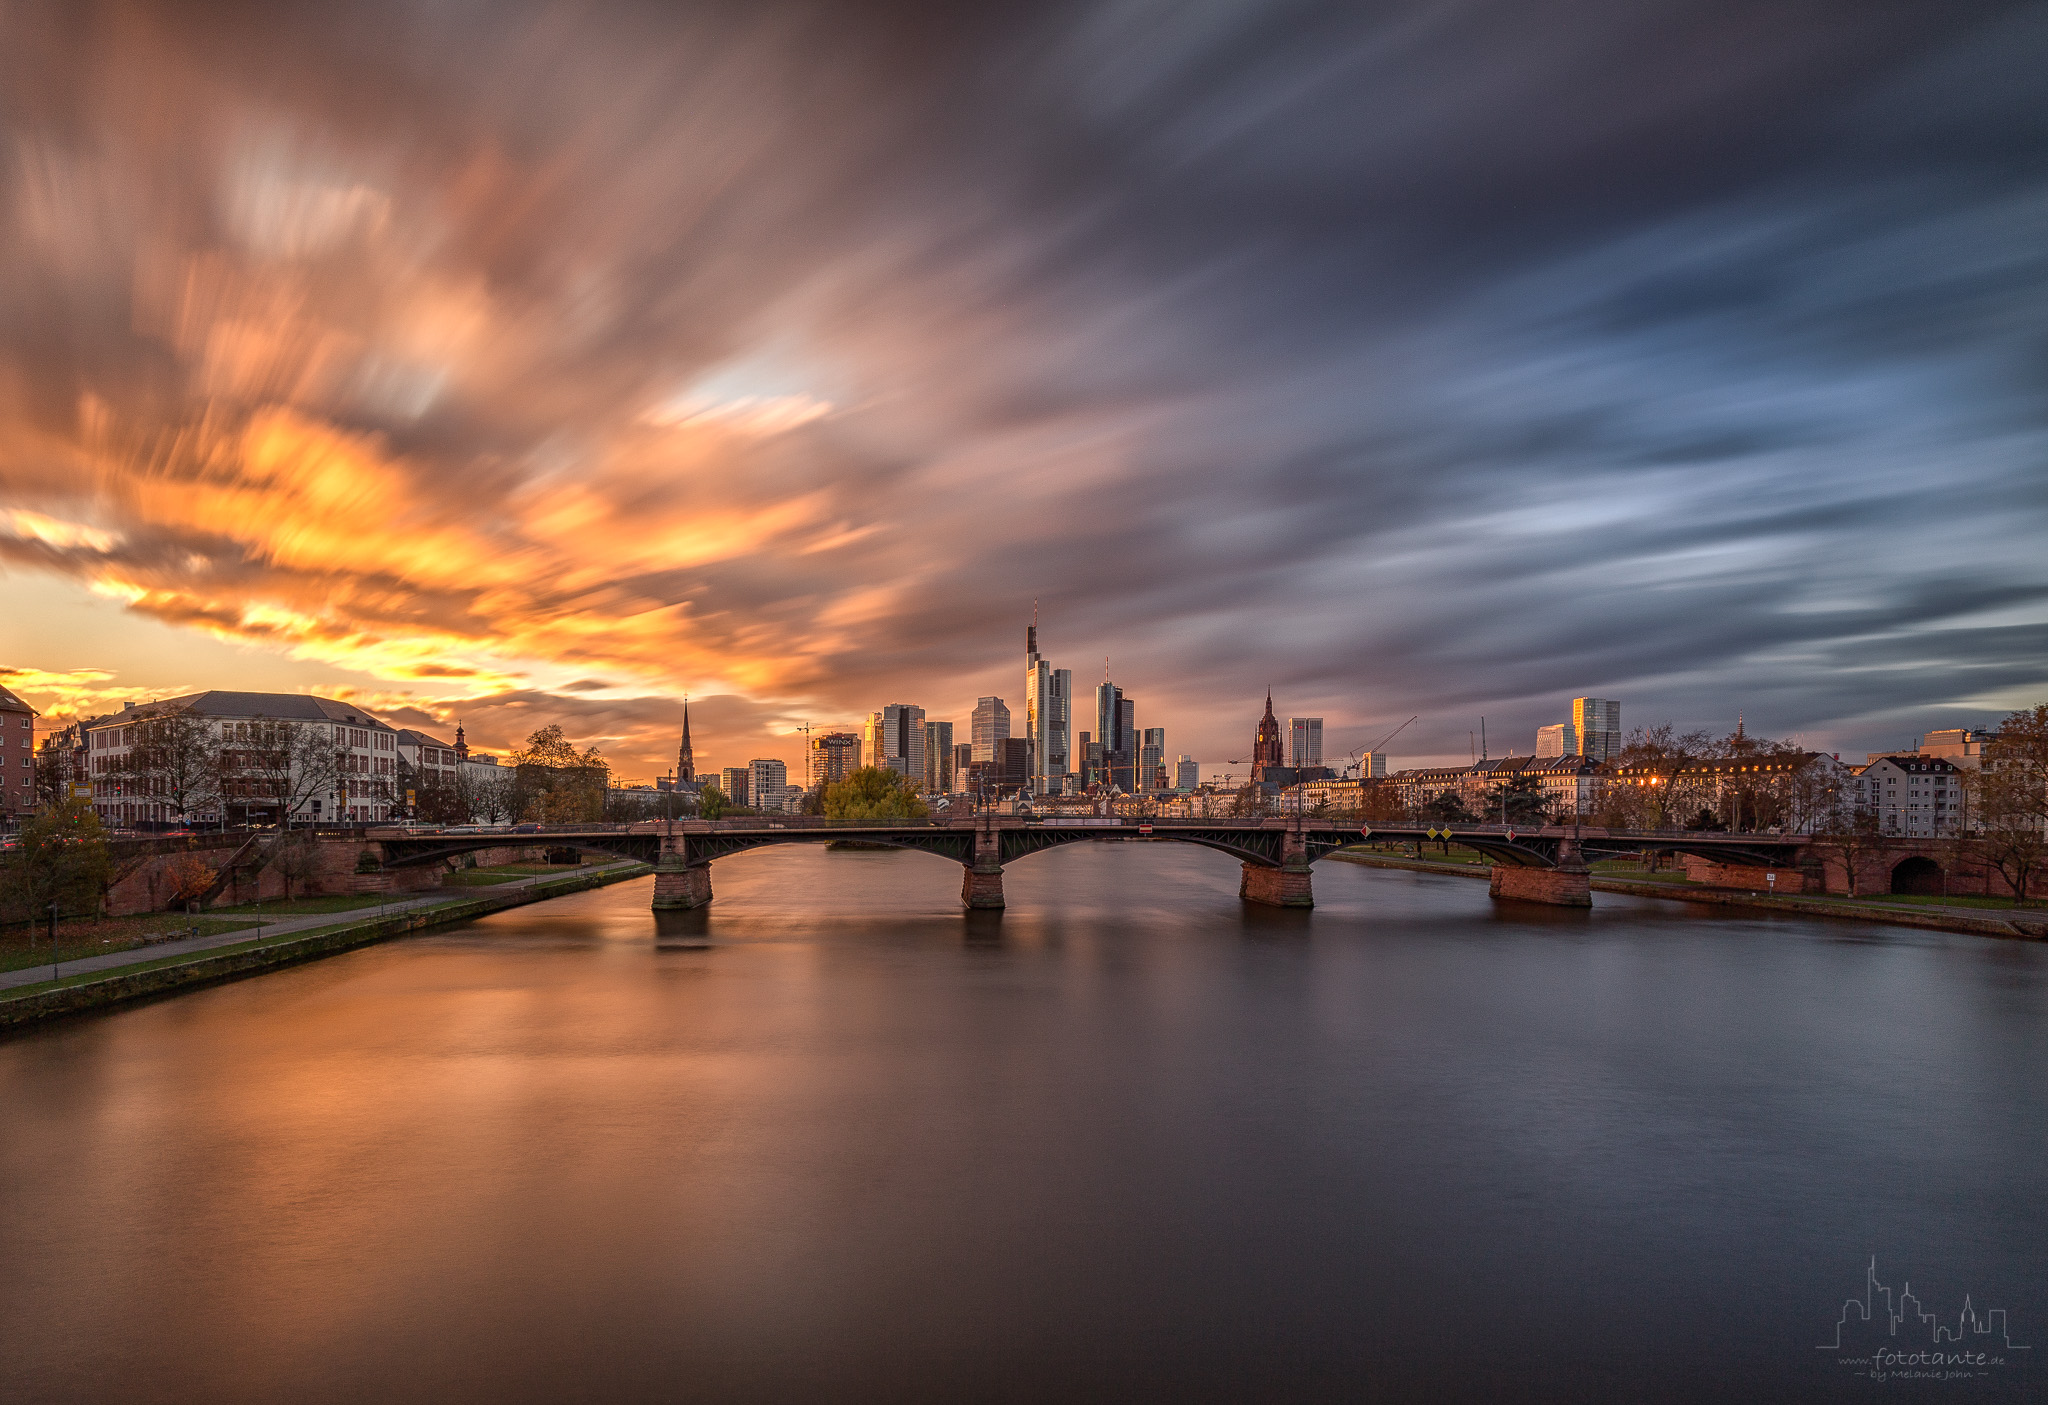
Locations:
{"points": [[902, 741], [1561, 739], [1304, 741], [1598, 723], [989, 725], [1116, 718], [1047, 713], [938, 758], [736, 784], [1187, 774], [963, 757], [1152, 760], [834, 756]]}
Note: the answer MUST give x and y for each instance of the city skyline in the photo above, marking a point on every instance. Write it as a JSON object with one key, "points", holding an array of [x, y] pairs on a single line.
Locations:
{"points": [[547, 392]]}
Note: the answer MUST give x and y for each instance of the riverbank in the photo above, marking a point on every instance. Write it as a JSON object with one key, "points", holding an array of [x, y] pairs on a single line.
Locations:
{"points": [[2027, 926], [147, 979]]}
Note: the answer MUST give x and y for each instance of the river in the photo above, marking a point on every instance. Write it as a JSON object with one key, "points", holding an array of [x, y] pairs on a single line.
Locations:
{"points": [[835, 1140]]}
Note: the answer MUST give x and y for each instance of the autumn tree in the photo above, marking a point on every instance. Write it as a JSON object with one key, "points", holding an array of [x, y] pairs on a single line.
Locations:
{"points": [[554, 784], [874, 793], [190, 877], [60, 856], [2009, 800]]}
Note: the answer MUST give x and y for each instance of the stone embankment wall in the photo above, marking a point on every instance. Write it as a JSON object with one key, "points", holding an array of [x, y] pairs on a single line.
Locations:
{"points": [[144, 883], [1959, 869]]}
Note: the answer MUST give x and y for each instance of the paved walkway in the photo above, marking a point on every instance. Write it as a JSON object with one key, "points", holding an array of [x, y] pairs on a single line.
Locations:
{"points": [[277, 927]]}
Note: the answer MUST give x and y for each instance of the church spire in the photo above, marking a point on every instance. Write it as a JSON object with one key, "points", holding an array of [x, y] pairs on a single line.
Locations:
{"points": [[461, 743], [685, 764]]}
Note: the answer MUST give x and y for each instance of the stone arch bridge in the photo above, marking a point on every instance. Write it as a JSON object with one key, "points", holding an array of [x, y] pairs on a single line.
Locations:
{"points": [[1541, 865]]}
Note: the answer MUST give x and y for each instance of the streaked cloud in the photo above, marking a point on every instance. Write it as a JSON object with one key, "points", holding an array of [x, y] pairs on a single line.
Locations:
{"points": [[1447, 357]]}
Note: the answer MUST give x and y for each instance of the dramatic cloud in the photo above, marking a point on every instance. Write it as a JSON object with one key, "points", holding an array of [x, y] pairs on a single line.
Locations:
{"points": [[548, 363]]}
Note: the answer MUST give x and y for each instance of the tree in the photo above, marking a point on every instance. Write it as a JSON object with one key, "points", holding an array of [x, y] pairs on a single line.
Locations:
{"points": [[712, 803], [1517, 800], [491, 796], [294, 854], [2010, 800], [54, 774], [175, 759], [191, 878], [873, 793], [59, 857], [280, 765], [1657, 780], [554, 784], [1445, 807], [1855, 830]]}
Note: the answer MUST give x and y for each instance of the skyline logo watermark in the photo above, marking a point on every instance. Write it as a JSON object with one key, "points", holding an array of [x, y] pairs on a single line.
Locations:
{"points": [[1897, 1339]]}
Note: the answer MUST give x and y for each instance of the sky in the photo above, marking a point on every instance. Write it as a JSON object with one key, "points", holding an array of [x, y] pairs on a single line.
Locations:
{"points": [[531, 364]]}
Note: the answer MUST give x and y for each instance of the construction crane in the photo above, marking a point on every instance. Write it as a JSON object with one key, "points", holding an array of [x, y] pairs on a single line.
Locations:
{"points": [[805, 728], [1355, 762]]}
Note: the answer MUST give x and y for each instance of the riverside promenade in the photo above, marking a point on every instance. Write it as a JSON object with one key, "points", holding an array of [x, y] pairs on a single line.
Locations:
{"points": [[2028, 924], [29, 996]]}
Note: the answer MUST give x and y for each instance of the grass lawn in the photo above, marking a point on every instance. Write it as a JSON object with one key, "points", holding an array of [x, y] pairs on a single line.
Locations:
{"points": [[299, 907], [1916, 900], [78, 938]]}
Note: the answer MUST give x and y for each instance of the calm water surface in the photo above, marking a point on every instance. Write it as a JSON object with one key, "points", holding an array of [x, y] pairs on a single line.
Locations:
{"points": [[834, 1140]]}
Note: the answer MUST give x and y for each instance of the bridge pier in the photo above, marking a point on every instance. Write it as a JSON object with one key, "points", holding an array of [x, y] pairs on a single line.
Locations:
{"points": [[1289, 884], [1286, 886], [679, 885], [981, 886], [1567, 885], [1559, 887]]}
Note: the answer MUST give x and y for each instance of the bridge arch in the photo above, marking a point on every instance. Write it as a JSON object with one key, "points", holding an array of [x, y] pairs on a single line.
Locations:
{"points": [[1918, 876]]}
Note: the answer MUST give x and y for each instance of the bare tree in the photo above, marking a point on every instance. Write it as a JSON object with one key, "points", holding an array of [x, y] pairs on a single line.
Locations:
{"points": [[287, 764], [175, 759], [492, 797], [294, 856]]}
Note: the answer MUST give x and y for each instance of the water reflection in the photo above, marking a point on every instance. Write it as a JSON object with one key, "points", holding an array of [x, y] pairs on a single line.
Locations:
{"points": [[835, 1138]]}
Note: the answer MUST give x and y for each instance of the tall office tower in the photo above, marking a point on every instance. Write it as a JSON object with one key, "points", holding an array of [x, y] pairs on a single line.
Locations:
{"points": [[1304, 741], [938, 758], [1561, 739], [1126, 764], [1093, 771], [834, 757], [872, 747], [1187, 774], [1152, 759], [1109, 731], [1598, 723], [735, 786], [1046, 713], [1266, 745], [766, 780], [989, 725], [1059, 754], [963, 757], [1013, 764], [903, 741], [1372, 766]]}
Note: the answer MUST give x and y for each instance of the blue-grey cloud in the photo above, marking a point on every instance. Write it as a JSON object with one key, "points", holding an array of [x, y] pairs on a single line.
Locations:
{"points": [[1450, 358]]}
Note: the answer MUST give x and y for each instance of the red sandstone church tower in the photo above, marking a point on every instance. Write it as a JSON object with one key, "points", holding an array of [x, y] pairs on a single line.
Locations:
{"points": [[1266, 751]]}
